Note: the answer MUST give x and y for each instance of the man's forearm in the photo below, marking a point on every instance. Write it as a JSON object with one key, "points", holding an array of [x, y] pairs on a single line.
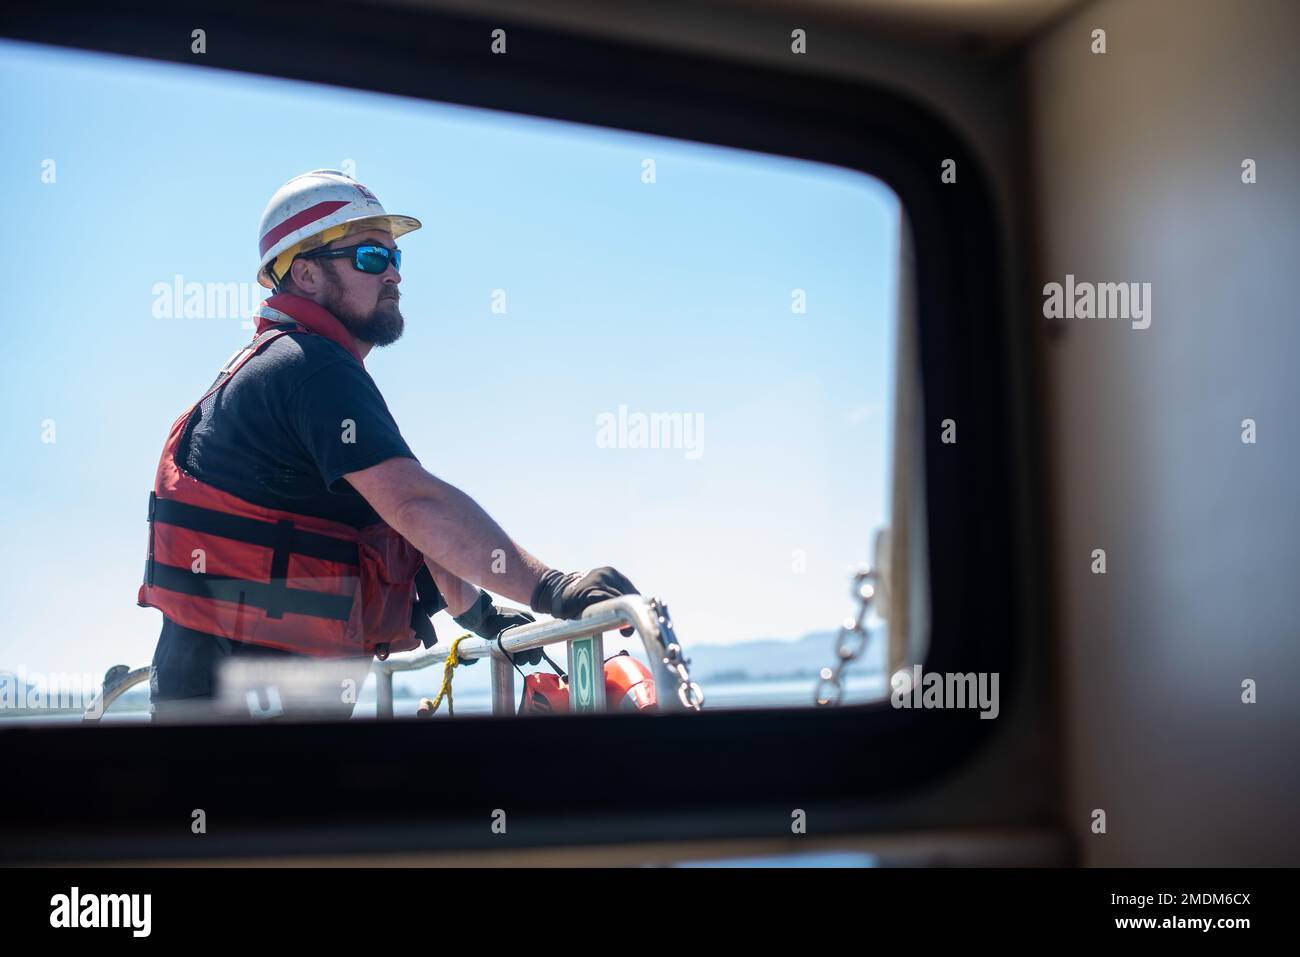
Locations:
{"points": [[455, 533]]}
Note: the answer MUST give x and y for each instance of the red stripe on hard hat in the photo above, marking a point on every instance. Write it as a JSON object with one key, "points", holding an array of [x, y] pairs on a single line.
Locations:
{"points": [[298, 221]]}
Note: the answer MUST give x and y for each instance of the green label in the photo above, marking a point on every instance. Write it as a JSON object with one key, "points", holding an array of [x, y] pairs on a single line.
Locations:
{"points": [[582, 674]]}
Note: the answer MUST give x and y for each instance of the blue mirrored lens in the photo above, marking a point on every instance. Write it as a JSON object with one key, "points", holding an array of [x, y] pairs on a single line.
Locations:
{"points": [[372, 259]]}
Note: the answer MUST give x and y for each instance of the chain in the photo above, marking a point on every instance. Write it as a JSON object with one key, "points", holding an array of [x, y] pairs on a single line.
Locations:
{"points": [[850, 642], [688, 692]]}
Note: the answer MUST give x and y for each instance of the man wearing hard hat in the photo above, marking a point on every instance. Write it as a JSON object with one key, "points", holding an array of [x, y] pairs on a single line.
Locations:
{"points": [[288, 516]]}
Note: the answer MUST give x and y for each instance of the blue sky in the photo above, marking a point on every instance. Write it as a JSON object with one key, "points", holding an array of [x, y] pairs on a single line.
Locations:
{"points": [[666, 297]]}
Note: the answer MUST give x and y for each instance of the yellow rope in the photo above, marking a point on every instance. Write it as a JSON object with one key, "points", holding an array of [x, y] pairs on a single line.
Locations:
{"points": [[430, 708]]}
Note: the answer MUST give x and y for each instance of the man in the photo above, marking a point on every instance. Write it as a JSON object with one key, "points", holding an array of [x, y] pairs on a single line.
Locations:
{"points": [[289, 517]]}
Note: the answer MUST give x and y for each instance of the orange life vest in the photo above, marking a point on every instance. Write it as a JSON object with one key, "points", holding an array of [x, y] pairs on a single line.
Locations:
{"points": [[224, 566]]}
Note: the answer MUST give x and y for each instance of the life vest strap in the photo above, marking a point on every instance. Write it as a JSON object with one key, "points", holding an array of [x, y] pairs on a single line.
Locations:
{"points": [[428, 602], [246, 352], [263, 595], [252, 531]]}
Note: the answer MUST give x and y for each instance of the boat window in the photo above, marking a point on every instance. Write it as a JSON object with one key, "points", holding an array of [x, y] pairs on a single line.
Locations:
{"points": [[683, 360]]}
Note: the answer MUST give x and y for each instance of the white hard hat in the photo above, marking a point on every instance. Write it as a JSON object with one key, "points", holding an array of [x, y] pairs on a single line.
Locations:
{"points": [[314, 209]]}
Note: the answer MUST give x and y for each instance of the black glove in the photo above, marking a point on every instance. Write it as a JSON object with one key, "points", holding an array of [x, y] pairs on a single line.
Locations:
{"points": [[567, 596], [488, 621]]}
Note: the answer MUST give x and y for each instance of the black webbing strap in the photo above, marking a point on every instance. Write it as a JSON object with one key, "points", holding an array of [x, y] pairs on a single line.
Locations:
{"points": [[251, 530], [148, 559], [556, 668], [278, 587], [253, 345], [274, 597], [262, 595], [428, 602]]}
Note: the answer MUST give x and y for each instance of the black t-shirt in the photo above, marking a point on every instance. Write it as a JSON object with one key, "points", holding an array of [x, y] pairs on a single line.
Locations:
{"points": [[283, 432]]}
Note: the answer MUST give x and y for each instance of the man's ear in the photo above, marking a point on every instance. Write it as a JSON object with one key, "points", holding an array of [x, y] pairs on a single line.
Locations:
{"points": [[305, 275]]}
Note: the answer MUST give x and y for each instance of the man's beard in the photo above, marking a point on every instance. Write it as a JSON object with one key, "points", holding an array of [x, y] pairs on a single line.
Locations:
{"points": [[382, 326]]}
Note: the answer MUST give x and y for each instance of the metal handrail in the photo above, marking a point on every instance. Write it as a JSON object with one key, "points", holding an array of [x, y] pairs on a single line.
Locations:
{"points": [[117, 680], [647, 616], [642, 614]]}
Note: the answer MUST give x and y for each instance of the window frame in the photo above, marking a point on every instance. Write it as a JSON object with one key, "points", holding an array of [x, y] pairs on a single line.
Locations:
{"points": [[361, 785]]}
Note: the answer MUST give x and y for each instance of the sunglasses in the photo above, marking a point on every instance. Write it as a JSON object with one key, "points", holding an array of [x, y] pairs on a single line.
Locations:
{"points": [[367, 257]]}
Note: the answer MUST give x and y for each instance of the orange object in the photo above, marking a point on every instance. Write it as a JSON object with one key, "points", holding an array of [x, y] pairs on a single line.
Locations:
{"points": [[629, 686], [545, 694]]}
